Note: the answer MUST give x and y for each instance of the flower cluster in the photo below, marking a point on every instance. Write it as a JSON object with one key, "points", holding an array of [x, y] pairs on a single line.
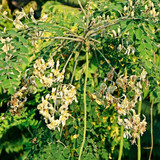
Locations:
{"points": [[17, 22], [20, 15], [124, 93], [54, 106], [18, 100], [133, 126], [46, 72], [30, 85], [129, 10], [149, 9], [7, 46], [126, 48]]}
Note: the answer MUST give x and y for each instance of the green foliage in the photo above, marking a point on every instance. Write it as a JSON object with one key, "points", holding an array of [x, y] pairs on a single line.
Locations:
{"points": [[14, 57], [16, 129], [116, 41]]}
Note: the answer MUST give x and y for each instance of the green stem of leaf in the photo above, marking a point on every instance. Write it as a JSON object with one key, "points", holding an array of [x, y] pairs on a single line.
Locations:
{"points": [[150, 155], [85, 105], [139, 139], [121, 144]]}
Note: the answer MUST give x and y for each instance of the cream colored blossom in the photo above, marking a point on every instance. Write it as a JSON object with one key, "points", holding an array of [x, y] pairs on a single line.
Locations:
{"points": [[143, 75], [54, 124]]}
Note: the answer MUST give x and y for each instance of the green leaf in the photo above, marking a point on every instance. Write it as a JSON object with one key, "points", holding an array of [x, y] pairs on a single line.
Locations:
{"points": [[22, 39], [13, 32], [2, 78], [25, 60], [11, 91], [24, 49], [59, 32], [71, 130], [141, 47], [149, 64], [6, 83], [138, 33], [3, 55]]}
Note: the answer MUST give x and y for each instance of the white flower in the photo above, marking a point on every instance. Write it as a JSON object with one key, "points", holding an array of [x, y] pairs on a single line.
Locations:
{"points": [[18, 24], [111, 88], [146, 7], [127, 134], [114, 33], [63, 118], [136, 119], [125, 8], [143, 75], [54, 124], [128, 124], [130, 3], [44, 18], [5, 48], [132, 14], [50, 63], [3, 40], [31, 11]]}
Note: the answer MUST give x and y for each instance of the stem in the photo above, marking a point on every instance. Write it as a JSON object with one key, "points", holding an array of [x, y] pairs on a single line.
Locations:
{"points": [[139, 107], [82, 8], [154, 55], [65, 38], [121, 145], [85, 106], [105, 58], [139, 139], [75, 66], [151, 130], [70, 56]]}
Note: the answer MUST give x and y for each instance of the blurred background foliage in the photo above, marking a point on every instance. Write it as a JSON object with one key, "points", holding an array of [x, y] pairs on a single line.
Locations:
{"points": [[27, 137]]}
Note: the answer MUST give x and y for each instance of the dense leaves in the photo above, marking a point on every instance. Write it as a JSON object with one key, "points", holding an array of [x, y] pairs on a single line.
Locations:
{"points": [[108, 52]]}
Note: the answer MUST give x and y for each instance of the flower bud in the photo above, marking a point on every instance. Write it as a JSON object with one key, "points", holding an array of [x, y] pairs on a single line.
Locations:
{"points": [[114, 33], [152, 4], [125, 8], [146, 7], [31, 11], [4, 13], [119, 30], [132, 14], [130, 3]]}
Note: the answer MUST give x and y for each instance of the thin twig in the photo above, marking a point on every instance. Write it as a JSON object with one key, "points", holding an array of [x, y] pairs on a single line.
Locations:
{"points": [[5, 17], [85, 105], [105, 59], [139, 139], [154, 56], [82, 8], [121, 144], [66, 38], [97, 60], [151, 129], [89, 3], [75, 66], [71, 56]]}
